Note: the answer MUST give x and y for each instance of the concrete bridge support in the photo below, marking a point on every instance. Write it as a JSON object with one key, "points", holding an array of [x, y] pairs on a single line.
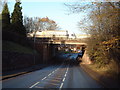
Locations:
{"points": [[47, 51], [86, 59]]}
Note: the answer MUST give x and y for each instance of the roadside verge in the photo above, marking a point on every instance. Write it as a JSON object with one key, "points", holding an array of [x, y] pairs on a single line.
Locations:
{"points": [[104, 81]]}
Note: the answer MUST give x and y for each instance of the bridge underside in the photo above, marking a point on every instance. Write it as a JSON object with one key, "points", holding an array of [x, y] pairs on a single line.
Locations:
{"points": [[70, 43], [48, 47]]}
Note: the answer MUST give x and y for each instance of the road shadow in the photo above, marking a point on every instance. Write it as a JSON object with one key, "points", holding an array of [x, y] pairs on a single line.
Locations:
{"points": [[57, 60]]}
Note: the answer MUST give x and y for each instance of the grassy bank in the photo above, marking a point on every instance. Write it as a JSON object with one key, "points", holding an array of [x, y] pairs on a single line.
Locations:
{"points": [[16, 56], [14, 47]]}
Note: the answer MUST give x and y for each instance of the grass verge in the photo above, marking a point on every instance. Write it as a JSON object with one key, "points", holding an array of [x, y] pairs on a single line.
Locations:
{"points": [[14, 47]]}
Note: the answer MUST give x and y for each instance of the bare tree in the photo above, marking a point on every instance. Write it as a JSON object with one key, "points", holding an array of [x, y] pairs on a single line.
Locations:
{"points": [[32, 24], [102, 23], [39, 24], [48, 24]]}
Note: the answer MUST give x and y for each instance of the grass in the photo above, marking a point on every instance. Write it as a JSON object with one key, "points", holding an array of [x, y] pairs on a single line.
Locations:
{"points": [[14, 47]]}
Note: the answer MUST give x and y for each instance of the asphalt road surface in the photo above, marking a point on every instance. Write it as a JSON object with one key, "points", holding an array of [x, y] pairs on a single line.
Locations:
{"points": [[66, 75]]}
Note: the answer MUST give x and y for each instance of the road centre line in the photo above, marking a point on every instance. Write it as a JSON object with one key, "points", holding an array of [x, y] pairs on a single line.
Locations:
{"points": [[34, 85], [49, 74], [56, 69], [67, 69], [61, 85], [43, 78], [65, 75], [63, 79]]}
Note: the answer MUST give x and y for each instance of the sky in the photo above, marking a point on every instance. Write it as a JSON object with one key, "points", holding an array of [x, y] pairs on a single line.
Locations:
{"points": [[56, 11]]}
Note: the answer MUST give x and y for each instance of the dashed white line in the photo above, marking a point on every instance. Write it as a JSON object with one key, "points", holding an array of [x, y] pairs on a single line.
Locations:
{"points": [[52, 72], [65, 75], [44, 78], [34, 84], [63, 79], [61, 85], [49, 74], [67, 70]]}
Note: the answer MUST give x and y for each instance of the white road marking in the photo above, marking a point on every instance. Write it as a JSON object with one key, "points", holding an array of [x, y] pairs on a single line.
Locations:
{"points": [[34, 84], [49, 74], [61, 85], [67, 69], [63, 79], [66, 72], [65, 75], [44, 78]]}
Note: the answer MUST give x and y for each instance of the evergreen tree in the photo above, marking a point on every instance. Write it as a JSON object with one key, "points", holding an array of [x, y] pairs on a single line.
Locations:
{"points": [[17, 19], [5, 17]]}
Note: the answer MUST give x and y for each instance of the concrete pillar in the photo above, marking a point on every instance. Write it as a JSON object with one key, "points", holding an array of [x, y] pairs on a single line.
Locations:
{"points": [[86, 59]]}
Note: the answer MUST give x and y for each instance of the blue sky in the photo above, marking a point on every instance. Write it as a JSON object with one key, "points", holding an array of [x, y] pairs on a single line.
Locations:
{"points": [[56, 11]]}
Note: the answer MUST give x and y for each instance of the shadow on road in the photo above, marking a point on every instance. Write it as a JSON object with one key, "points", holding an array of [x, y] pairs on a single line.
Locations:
{"points": [[58, 60], [63, 60]]}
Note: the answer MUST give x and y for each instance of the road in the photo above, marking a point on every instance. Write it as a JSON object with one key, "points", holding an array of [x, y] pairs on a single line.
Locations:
{"points": [[66, 75]]}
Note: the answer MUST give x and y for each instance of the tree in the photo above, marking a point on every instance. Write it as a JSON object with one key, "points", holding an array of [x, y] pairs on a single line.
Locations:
{"points": [[32, 24], [103, 26], [48, 24], [102, 19], [28, 23], [17, 19], [5, 17], [39, 24]]}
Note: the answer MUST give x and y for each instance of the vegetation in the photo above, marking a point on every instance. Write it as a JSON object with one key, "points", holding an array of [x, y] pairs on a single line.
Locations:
{"points": [[14, 47], [13, 25], [13, 29], [17, 19], [39, 24], [104, 43], [105, 33], [19, 51], [5, 17]]}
